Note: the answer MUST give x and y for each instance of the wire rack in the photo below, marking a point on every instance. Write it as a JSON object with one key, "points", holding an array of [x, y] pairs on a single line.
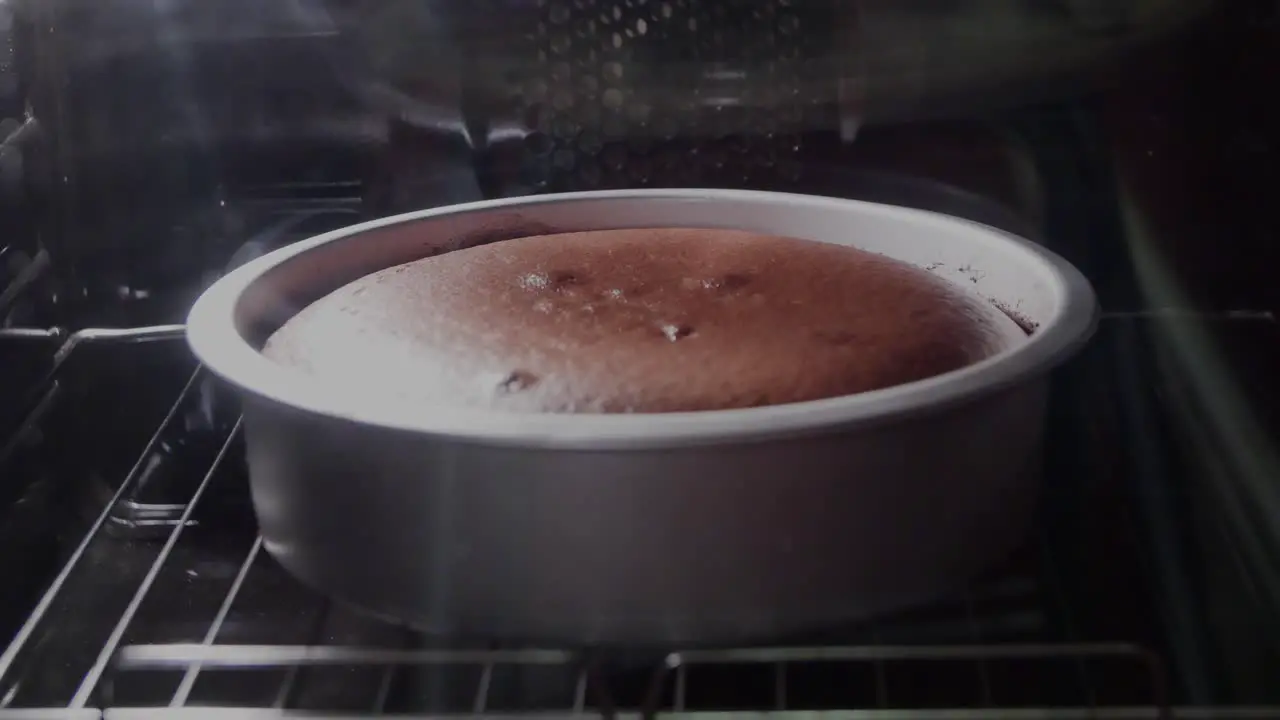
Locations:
{"points": [[203, 624]]}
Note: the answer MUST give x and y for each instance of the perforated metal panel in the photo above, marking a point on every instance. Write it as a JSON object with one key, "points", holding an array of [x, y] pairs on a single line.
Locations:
{"points": [[632, 93]]}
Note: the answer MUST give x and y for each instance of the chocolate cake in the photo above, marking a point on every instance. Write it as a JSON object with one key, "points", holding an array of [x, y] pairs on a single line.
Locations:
{"points": [[643, 320]]}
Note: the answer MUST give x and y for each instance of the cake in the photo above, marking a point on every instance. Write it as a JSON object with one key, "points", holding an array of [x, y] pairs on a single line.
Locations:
{"points": [[640, 321]]}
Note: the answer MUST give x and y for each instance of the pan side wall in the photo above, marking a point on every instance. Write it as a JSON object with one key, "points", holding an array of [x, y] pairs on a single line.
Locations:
{"points": [[707, 544]]}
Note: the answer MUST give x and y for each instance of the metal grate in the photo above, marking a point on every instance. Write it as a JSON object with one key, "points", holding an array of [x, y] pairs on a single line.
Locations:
{"points": [[175, 639]]}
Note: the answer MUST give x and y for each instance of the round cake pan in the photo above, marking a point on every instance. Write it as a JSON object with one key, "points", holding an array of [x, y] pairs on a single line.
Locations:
{"points": [[646, 529]]}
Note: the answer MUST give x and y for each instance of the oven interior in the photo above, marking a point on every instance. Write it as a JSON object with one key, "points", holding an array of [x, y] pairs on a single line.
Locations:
{"points": [[149, 147]]}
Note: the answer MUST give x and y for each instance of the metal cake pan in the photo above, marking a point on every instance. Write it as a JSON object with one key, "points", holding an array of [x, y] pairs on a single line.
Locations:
{"points": [[646, 529]]}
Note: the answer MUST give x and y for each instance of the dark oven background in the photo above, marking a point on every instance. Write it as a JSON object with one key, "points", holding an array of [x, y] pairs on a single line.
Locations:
{"points": [[149, 146]]}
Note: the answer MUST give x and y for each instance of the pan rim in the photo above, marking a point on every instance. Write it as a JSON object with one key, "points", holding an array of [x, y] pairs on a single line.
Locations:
{"points": [[217, 341]]}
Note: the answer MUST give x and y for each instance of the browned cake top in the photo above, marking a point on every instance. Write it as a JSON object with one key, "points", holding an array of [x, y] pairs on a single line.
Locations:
{"points": [[645, 320]]}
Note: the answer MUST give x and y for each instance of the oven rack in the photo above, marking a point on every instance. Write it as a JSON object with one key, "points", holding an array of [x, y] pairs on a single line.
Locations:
{"points": [[1001, 665]]}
